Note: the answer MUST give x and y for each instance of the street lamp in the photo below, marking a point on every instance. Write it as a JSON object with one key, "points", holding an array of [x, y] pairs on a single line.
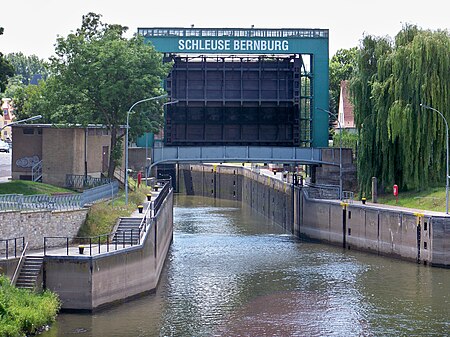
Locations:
{"points": [[21, 121], [126, 139], [446, 139], [340, 149], [146, 145]]}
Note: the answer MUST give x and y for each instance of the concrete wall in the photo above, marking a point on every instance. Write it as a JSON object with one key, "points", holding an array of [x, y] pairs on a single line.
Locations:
{"points": [[394, 232], [89, 283], [34, 225], [27, 150]]}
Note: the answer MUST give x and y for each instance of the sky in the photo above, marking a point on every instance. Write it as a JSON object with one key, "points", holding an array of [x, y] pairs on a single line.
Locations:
{"points": [[32, 26]]}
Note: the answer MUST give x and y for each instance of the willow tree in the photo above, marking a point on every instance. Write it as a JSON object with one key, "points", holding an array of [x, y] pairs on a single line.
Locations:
{"points": [[400, 142]]}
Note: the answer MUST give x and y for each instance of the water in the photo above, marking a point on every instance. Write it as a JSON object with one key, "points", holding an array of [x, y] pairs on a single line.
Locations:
{"points": [[232, 273]]}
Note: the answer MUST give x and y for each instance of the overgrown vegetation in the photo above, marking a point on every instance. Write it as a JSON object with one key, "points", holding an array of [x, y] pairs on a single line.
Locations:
{"points": [[29, 188], [103, 216], [24, 312]]}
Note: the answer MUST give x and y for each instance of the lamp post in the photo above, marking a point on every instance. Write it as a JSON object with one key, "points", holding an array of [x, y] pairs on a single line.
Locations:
{"points": [[126, 139], [21, 121], [340, 149], [146, 145], [446, 142]]}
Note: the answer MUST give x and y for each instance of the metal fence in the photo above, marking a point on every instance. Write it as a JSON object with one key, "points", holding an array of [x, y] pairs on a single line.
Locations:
{"points": [[13, 202], [11, 247], [84, 181], [314, 191]]}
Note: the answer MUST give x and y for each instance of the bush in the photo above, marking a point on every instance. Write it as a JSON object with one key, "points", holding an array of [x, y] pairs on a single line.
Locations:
{"points": [[25, 312]]}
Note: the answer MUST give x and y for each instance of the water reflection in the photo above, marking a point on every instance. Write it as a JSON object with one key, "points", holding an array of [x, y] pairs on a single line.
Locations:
{"points": [[232, 273]]}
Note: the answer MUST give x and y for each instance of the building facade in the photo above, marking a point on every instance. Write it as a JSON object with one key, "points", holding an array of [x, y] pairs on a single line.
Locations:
{"points": [[59, 151]]}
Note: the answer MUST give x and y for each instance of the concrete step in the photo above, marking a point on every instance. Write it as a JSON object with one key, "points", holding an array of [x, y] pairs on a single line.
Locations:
{"points": [[30, 271]]}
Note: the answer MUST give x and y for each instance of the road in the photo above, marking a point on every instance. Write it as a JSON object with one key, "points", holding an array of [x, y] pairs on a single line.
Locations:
{"points": [[5, 166]]}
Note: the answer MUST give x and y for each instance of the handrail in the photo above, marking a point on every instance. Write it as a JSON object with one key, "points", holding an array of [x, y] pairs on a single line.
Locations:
{"points": [[19, 265], [15, 245]]}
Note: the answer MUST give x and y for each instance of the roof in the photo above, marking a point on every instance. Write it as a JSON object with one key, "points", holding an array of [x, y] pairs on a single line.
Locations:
{"points": [[63, 126]]}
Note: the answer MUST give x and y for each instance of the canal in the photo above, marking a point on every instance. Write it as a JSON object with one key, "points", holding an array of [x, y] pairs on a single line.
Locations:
{"points": [[230, 272]]}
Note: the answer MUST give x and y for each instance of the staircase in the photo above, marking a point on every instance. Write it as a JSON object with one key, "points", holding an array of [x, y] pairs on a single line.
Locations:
{"points": [[36, 172], [29, 272], [128, 231]]}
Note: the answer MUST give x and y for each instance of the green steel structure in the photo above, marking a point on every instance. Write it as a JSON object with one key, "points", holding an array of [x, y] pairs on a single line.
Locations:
{"points": [[245, 87]]}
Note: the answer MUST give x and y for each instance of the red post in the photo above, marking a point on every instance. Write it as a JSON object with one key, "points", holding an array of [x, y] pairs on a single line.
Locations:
{"points": [[395, 190], [139, 177]]}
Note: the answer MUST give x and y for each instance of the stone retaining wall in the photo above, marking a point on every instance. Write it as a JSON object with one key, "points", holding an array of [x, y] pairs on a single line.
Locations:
{"points": [[34, 225]]}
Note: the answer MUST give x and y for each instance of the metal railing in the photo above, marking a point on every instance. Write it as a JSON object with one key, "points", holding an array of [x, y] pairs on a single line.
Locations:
{"points": [[314, 191], [116, 240], [82, 181], [19, 266], [99, 192], [36, 171], [162, 194], [18, 202], [5, 246], [94, 244]]}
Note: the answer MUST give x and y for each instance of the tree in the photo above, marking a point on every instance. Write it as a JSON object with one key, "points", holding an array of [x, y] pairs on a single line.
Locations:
{"points": [[28, 67], [342, 65], [400, 142], [6, 69], [97, 75]]}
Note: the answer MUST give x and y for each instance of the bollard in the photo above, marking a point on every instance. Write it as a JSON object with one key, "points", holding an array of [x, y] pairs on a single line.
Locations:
{"points": [[363, 201], [81, 249], [149, 197], [140, 208]]}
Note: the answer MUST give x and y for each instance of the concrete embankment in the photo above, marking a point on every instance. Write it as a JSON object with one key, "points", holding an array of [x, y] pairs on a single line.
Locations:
{"points": [[91, 282], [396, 232], [104, 273]]}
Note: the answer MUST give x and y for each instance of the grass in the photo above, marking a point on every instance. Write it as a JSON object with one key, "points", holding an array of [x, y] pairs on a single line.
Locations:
{"points": [[432, 199], [103, 215], [24, 312], [29, 188]]}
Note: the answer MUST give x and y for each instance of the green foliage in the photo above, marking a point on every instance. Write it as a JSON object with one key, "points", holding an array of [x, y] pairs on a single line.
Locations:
{"points": [[349, 140], [25, 312], [29, 188], [342, 65], [97, 75], [399, 142], [26, 67], [6, 69], [103, 216]]}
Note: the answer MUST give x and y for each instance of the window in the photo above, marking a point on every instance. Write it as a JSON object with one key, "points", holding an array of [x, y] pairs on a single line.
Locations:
{"points": [[28, 131]]}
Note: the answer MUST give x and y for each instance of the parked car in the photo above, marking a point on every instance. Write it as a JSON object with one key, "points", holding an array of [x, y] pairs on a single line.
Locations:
{"points": [[4, 146]]}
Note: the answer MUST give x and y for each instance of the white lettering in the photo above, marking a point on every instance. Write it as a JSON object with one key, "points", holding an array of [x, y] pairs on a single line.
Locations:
{"points": [[237, 45]]}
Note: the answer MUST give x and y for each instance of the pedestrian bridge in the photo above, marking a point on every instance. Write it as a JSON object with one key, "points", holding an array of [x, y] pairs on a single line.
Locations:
{"points": [[239, 154]]}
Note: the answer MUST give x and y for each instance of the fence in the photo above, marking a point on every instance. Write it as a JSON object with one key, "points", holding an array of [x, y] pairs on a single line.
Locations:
{"points": [[13, 202], [84, 181], [314, 191], [9, 247], [113, 241]]}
